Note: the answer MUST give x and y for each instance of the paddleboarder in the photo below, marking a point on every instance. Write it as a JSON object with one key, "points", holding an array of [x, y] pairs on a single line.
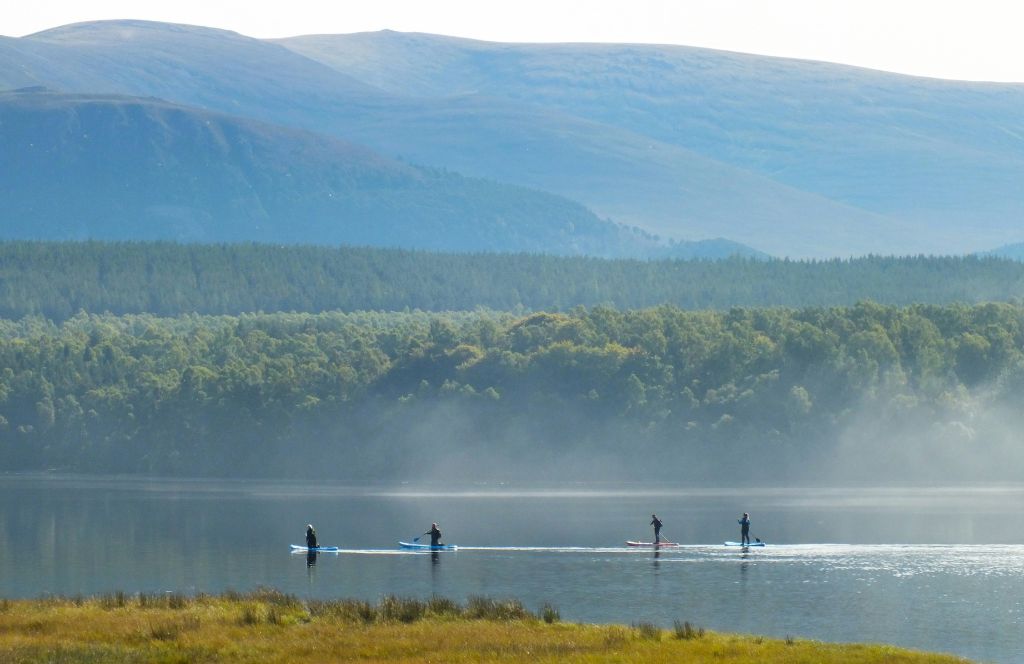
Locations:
{"points": [[435, 535], [656, 522], [310, 536], [744, 529]]}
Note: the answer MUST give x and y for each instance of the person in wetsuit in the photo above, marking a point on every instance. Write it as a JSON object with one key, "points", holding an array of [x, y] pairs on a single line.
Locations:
{"points": [[744, 528], [656, 522], [435, 535], [310, 536]]}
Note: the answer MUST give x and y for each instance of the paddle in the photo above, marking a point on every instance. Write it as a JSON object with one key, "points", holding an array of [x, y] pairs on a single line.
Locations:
{"points": [[417, 539]]}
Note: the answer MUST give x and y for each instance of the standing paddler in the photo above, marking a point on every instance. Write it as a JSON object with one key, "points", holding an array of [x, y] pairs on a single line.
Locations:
{"points": [[656, 522], [744, 522], [435, 535]]}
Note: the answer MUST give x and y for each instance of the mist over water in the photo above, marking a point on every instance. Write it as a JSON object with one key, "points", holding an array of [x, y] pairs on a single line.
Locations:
{"points": [[937, 568], [887, 436], [901, 435]]}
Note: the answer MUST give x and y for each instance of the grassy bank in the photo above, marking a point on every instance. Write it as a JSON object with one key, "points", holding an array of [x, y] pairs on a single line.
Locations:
{"points": [[268, 626]]}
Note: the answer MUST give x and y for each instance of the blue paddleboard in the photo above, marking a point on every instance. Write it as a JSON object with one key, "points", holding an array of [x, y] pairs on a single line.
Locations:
{"points": [[427, 547], [322, 549], [744, 545]]}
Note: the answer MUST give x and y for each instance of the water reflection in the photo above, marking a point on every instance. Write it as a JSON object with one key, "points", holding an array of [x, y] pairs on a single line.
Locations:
{"points": [[898, 578]]}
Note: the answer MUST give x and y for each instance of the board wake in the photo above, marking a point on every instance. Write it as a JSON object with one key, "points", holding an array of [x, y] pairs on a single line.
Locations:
{"points": [[320, 549], [744, 545], [428, 547], [651, 544]]}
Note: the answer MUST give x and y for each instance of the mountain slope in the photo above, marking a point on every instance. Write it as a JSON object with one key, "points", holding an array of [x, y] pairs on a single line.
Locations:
{"points": [[797, 158], [114, 167], [618, 172], [945, 156], [810, 124], [191, 65], [1013, 251]]}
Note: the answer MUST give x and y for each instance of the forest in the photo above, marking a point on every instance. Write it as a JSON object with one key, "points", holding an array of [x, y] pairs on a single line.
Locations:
{"points": [[860, 392], [59, 279]]}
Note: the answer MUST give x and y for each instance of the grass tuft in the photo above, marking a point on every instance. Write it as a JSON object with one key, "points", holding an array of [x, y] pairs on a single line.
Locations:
{"points": [[648, 631], [116, 600], [486, 608], [442, 607], [347, 610], [549, 614], [401, 609], [687, 632], [274, 597], [251, 614], [616, 637], [170, 631]]}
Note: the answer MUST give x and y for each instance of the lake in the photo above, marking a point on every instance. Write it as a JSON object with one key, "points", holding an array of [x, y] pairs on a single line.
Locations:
{"points": [[932, 568]]}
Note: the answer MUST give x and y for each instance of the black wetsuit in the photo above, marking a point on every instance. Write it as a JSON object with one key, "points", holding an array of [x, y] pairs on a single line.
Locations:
{"points": [[745, 530], [310, 539], [435, 537], [656, 522]]}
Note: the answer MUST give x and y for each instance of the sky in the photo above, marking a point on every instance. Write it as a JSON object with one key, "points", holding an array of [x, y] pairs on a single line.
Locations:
{"points": [[975, 40]]}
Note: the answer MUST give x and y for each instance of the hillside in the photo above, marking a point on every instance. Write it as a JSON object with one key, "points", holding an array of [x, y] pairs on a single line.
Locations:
{"points": [[1014, 251], [856, 394], [57, 280], [796, 158], [928, 152], [121, 168]]}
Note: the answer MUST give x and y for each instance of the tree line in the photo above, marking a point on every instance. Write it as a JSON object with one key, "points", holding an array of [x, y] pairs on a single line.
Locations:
{"points": [[656, 392], [58, 279]]}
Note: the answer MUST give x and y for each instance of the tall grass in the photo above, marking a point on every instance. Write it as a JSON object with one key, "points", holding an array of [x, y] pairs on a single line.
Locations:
{"points": [[267, 625], [686, 631]]}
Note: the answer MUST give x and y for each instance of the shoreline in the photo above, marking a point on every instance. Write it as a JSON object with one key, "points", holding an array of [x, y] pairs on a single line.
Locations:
{"points": [[270, 626]]}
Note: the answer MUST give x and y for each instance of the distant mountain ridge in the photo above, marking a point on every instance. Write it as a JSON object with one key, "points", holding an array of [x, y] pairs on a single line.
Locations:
{"points": [[123, 168], [1013, 251], [796, 158], [926, 154]]}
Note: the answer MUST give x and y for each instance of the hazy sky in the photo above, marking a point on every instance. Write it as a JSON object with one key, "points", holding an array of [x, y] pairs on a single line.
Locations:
{"points": [[977, 40]]}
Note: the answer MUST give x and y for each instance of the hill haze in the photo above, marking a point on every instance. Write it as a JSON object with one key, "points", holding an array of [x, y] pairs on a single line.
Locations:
{"points": [[929, 153], [122, 168], [796, 158]]}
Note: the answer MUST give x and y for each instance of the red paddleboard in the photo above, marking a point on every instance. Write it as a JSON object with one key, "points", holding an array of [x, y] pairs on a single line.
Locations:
{"points": [[631, 543]]}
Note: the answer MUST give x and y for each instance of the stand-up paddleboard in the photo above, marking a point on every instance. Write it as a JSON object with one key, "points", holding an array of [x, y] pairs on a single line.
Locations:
{"points": [[322, 549], [427, 547], [652, 544], [744, 545]]}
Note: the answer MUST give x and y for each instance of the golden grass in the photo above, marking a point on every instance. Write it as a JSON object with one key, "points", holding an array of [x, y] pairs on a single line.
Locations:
{"points": [[270, 627]]}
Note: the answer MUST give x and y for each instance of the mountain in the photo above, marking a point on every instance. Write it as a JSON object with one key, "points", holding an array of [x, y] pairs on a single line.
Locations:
{"points": [[618, 172], [1013, 251], [797, 158], [947, 157], [124, 168]]}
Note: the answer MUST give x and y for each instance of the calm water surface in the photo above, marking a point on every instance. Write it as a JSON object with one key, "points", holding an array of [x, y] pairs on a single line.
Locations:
{"points": [[931, 568]]}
